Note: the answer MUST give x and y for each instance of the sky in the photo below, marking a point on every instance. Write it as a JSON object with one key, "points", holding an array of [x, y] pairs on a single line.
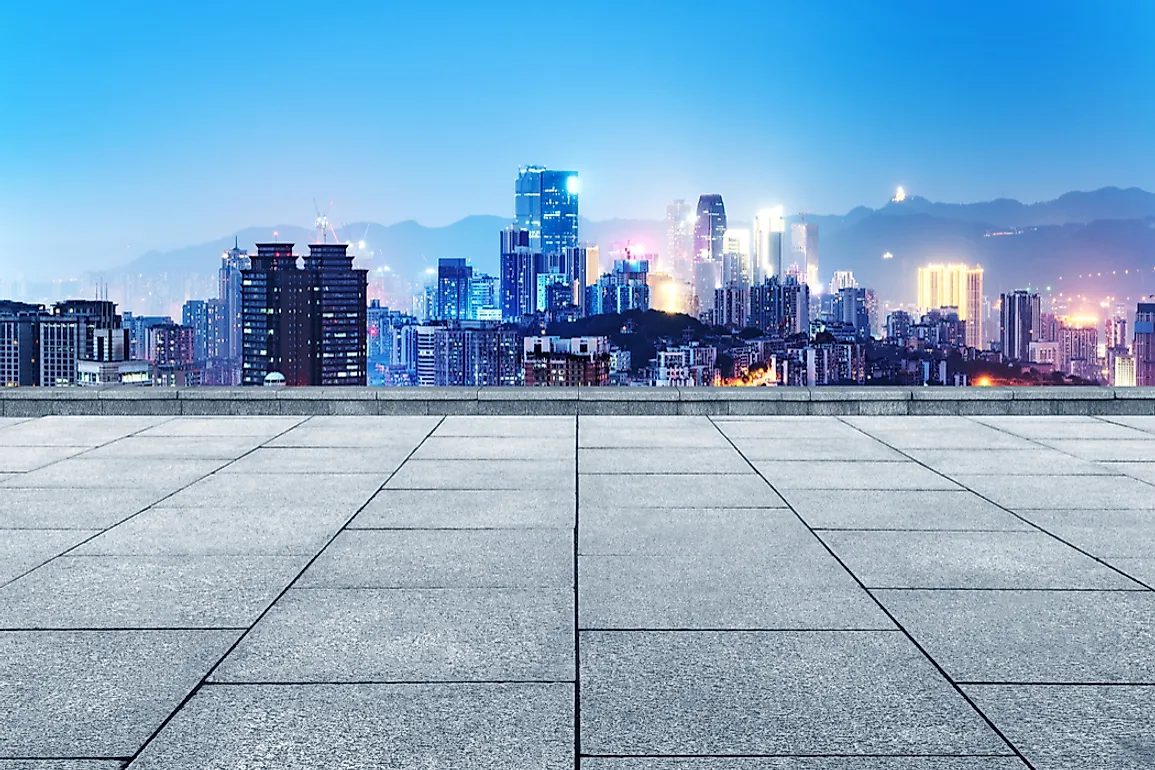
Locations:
{"points": [[127, 126]]}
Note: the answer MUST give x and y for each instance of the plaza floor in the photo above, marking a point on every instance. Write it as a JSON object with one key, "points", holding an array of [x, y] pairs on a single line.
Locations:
{"points": [[614, 593]]}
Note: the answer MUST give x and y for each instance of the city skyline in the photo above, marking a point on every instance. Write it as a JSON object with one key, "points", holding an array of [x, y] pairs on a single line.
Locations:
{"points": [[127, 103]]}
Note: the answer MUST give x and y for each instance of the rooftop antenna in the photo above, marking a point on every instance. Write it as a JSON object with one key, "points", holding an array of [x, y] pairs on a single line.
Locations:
{"points": [[322, 223]]}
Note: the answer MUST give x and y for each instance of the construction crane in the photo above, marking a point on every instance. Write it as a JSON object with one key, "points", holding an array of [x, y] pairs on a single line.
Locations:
{"points": [[322, 223]]}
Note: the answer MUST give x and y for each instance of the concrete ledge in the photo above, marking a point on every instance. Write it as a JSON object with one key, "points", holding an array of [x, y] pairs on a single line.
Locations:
{"points": [[37, 402]]}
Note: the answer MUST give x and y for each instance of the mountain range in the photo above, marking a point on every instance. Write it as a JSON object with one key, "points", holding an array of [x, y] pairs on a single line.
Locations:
{"points": [[1017, 244]]}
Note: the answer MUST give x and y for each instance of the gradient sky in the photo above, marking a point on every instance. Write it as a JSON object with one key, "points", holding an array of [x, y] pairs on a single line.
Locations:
{"points": [[136, 125]]}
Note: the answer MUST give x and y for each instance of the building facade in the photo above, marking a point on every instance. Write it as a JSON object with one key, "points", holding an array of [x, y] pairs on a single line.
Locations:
{"points": [[957, 286]]}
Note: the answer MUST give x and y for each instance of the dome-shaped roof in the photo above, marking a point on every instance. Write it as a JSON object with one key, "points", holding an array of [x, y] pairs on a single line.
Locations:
{"points": [[274, 379]]}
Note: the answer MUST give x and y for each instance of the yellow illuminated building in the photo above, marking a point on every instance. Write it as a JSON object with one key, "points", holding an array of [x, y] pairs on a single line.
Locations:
{"points": [[957, 286]]}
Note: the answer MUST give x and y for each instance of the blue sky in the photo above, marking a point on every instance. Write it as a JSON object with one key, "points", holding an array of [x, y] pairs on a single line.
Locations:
{"points": [[136, 125]]}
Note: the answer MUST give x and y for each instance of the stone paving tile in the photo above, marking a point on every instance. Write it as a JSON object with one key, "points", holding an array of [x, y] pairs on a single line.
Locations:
{"points": [[828, 429], [359, 635], [1074, 728], [460, 558], [677, 531], [96, 694], [350, 727], [20, 459], [322, 460], [1061, 427], [949, 437], [670, 490], [784, 692], [1142, 569], [146, 592], [850, 448], [1142, 471], [899, 509], [1088, 492], [1145, 424], [468, 509], [1107, 451], [969, 560], [165, 531], [803, 763], [1009, 462], [137, 448], [75, 431], [60, 764], [25, 549], [358, 432], [662, 460], [162, 475], [483, 474], [273, 492], [258, 427], [439, 447], [62, 508], [507, 427], [1032, 636], [787, 474], [623, 432], [1101, 533]]}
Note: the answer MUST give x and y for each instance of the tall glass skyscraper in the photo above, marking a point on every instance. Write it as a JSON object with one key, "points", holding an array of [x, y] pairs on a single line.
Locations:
{"points": [[453, 290], [546, 206], [709, 228]]}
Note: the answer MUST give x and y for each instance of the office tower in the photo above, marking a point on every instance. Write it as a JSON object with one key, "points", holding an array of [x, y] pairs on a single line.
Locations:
{"points": [[546, 206], [484, 297], [709, 228], [780, 307], [842, 279], [518, 275], [425, 365], [233, 263], [732, 306], [19, 343], [957, 286], [566, 362], [209, 325], [851, 308], [898, 325], [307, 324], [1116, 331], [707, 277], [1122, 371], [453, 290], [527, 204], [1018, 324], [769, 232], [376, 320], [1143, 344], [593, 264], [804, 248], [679, 254], [171, 345], [736, 257]]}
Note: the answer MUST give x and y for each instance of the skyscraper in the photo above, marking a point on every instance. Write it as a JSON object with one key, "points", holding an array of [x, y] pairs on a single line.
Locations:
{"points": [[709, 228], [546, 206], [736, 257], [957, 286], [233, 262], [518, 274], [679, 240], [527, 203], [1018, 324], [1143, 347], [804, 246], [453, 290], [769, 230], [341, 296]]}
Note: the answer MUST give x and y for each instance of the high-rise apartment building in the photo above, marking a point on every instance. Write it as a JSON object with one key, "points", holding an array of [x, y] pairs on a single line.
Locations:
{"points": [[679, 256], [709, 228], [527, 204], [732, 306], [171, 345], [766, 243], [626, 288], [1077, 342], [454, 278], [341, 298], [842, 279], [518, 274], [19, 343], [780, 307], [957, 286], [804, 248], [736, 267], [1143, 345], [851, 307], [475, 354], [1019, 321]]}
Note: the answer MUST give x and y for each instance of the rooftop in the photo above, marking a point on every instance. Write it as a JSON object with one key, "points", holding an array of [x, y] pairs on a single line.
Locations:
{"points": [[620, 592]]}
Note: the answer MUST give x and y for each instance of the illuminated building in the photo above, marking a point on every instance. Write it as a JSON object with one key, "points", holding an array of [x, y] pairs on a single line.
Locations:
{"points": [[475, 354], [1116, 332], [561, 362], [707, 276], [453, 290], [518, 275], [1019, 321], [736, 257], [769, 230], [679, 239], [527, 203], [780, 307], [546, 206], [731, 306], [1143, 346], [1077, 343], [804, 247], [206, 318], [233, 262], [1122, 372], [624, 289], [593, 264], [898, 325], [850, 307], [957, 286], [709, 228], [842, 279], [1044, 352], [484, 298]]}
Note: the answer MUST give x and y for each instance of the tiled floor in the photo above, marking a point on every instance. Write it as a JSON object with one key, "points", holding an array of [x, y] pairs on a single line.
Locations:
{"points": [[623, 593]]}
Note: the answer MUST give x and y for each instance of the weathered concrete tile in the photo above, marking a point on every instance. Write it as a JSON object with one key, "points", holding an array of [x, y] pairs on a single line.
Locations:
{"points": [[483, 474], [649, 431], [969, 560], [146, 591], [1101, 533], [816, 474], [20, 459], [163, 531], [662, 460], [788, 428], [60, 764], [65, 508], [320, 460], [899, 509], [24, 549], [953, 436], [1073, 728], [349, 727], [1032, 636], [1010, 462], [273, 491], [803, 763], [676, 490], [850, 448], [1107, 450], [527, 427], [359, 635], [1061, 427], [816, 692], [76, 472], [1145, 424], [259, 427], [457, 558], [1029, 492], [94, 694], [75, 430], [1142, 471], [366, 432], [143, 448], [496, 448], [1141, 569], [469, 508]]}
